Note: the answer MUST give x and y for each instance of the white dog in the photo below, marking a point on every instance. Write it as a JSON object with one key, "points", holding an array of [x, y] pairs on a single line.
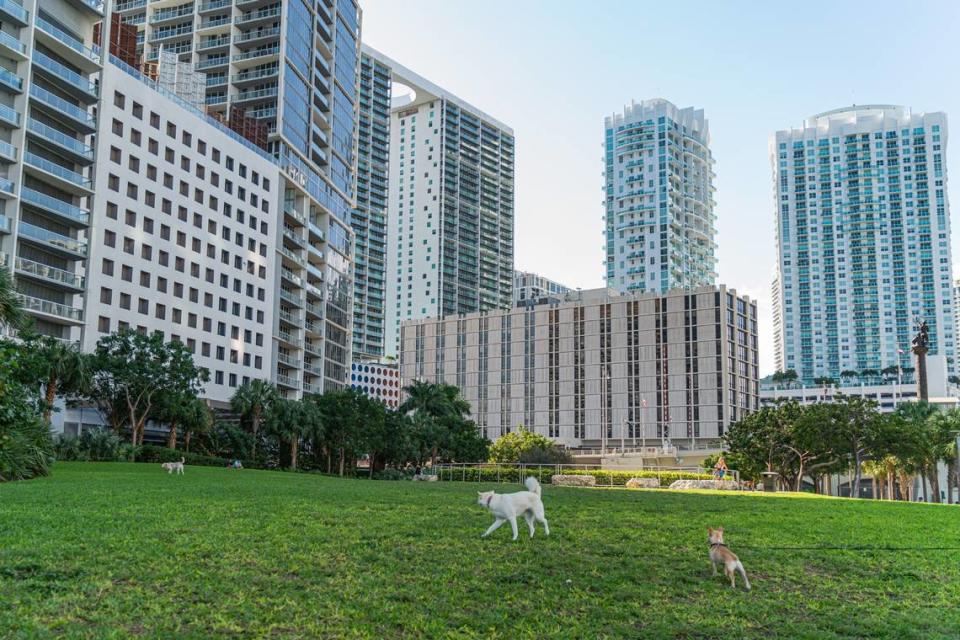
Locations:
{"points": [[172, 467], [506, 507]]}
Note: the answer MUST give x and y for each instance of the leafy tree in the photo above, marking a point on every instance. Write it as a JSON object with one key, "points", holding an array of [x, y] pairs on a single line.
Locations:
{"points": [[440, 419], [26, 447], [11, 311], [759, 439], [56, 368], [511, 447], [790, 377], [856, 430], [848, 375], [289, 421], [252, 400], [345, 413], [132, 373], [954, 380]]}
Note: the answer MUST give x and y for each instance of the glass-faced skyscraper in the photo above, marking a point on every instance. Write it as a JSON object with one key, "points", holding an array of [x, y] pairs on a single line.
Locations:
{"points": [[450, 222], [369, 220], [863, 239], [660, 228]]}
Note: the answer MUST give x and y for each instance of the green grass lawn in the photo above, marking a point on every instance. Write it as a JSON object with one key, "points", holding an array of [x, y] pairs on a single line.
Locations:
{"points": [[121, 550]]}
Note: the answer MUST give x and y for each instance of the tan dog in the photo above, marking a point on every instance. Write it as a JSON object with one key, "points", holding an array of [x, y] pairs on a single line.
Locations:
{"points": [[720, 553]]}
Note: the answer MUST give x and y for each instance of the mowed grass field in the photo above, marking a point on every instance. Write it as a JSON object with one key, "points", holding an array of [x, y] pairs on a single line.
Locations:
{"points": [[124, 550]]}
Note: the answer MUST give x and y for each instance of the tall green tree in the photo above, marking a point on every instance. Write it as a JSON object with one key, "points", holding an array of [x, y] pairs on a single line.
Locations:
{"points": [[11, 310], [131, 373], [58, 368], [289, 421], [345, 414], [252, 400]]}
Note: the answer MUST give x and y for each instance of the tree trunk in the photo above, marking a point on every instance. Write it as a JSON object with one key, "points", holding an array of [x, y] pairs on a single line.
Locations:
{"points": [[255, 425], [800, 476], [186, 440], [923, 484], [293, 452], [342, 460], [873, 480], [935, 483], [433, 456], [855, 489], [172, 436], [891, 480], [51, 397], [329, 459]]}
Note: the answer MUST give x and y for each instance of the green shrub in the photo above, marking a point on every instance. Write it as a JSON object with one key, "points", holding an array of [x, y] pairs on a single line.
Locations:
{"points": [[67, 449], [511, 447], [100, 445], [543, 474], [156, 454], [619, 478], [391, 474], [26, 446]]}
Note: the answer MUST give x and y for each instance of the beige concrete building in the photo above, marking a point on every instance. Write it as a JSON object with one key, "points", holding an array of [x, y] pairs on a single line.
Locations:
{"points": [[598, 367]]}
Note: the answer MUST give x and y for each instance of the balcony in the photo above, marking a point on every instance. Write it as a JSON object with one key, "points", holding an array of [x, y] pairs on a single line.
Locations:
{"points": [[166, 15], [54, 310], [5, 224], [290, 317], [49, 275], [130, 5], [213, 5], [91, 5], [315, 309], [291, 277], [71, 81], [169, 33], [255, 17], [60, 143], [220, 42], [287, 381], [211, 101], [258, 94], [288, 361], [59, 175], [14, 13], [258, 56], [290, 339], [254, 75], [65, 212], [57, 107], [12, 47], [47, 239], [68, 46], [9, 116], [210, 63], [222, 23], [294, 299], [8, 152], [259, 35], [6, 188], [11, 81]]}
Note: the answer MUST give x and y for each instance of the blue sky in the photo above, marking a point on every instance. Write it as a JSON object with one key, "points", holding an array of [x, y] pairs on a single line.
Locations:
{"points": [[553, 69]]}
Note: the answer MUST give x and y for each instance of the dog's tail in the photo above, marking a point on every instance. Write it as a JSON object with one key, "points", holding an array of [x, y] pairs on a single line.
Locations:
{"points": [[532, 485], [183, 460], [743, 574]]}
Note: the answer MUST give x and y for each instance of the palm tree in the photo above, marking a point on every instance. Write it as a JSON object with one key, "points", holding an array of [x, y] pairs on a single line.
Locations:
{"points": [[63, 369], [848, 375], [11, 311], [252, 400], [437, 408]]}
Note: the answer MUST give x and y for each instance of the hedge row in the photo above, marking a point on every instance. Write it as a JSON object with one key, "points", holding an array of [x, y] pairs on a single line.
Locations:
{"points": [[543, 474], [154, 453]]}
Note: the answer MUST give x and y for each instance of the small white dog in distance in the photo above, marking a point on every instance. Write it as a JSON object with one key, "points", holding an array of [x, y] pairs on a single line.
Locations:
{"points": [[506, 507], [174, 467]]}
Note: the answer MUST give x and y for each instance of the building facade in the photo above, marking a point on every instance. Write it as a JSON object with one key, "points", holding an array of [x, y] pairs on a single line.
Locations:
{"points": [[377, 380], [451, 206], [529, 286], [598, 366], [369, 220], [49, 87], [863, 239], [660, 226], [185, 236]]}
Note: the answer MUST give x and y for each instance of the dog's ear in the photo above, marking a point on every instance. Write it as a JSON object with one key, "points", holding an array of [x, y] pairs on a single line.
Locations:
{"points": [[479, 493], [709, 529], [720, 529]]}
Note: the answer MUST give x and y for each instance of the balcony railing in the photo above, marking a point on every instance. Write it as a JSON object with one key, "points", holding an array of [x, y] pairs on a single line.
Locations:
{"points": [[64, 73], [11, 79], [52, 238], [78, 179], [51, 308], [46, 272], [61, 139], [9, 41], [56, 205], [257, 53], [8, 151], [9, 115], [77, 113], [69, 40], [15, 11]]}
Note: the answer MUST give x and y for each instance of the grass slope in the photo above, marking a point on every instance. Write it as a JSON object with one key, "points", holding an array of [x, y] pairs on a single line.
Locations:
{"points": [[117, 550]]}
